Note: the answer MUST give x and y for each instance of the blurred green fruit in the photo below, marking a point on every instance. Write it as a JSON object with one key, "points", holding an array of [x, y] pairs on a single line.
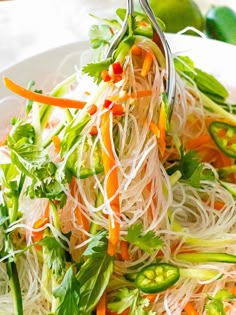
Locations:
{"points": [[178, 14]]}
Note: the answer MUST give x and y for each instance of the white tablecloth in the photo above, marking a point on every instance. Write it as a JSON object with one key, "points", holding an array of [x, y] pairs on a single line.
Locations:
{"points": [[28, 27]]}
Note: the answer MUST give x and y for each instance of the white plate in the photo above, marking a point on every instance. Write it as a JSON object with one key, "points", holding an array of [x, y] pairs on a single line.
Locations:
{"points": [[212, 56]]}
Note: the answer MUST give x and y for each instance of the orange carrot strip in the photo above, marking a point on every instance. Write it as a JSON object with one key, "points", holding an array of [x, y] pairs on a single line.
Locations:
{"points": [[124, 250], [101, 306], [93, 109], [80, 217], [198, 141], [162, 128], [57, 143], [154, 129], [112, 182], [218, 205], [136, 50], [233, 290], [125, 312], [147, 63], [4, 140], [150, 297], [117, 109], [94, 130], [190, 310], [226, 308], [50, 100], [126, 96], [38, 235]]}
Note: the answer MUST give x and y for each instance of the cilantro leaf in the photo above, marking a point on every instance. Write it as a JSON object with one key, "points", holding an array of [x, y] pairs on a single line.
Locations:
{"points": [[131, 299], [191, 168], [148, 242], [54, 255], [94, 69], [33, 161], [69, 294], [215, 307], [98, 244], [100, 35], [224, 295]]}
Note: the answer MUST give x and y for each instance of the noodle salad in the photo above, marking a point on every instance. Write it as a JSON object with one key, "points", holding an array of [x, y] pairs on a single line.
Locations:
{"points": [[107, 206]]}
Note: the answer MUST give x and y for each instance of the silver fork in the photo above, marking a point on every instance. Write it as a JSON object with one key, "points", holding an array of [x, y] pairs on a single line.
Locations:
{"points": [[170, 69]]}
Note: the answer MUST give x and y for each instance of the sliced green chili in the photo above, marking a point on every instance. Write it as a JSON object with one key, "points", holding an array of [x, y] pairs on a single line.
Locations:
{"points": [[224, 136], [157, 277]]}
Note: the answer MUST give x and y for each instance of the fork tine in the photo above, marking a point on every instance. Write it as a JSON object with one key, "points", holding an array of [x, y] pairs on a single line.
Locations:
{"points": [[171, 79], [122, 31]]}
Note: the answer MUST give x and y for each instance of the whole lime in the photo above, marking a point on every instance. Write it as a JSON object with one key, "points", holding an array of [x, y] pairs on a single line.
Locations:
{"points": [[178, 14]]}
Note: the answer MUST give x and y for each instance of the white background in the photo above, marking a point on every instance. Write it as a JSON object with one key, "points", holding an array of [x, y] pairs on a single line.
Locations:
{"points": [[28, 27]]}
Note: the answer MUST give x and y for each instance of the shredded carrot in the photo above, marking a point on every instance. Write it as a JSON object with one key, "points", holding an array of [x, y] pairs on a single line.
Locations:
{"points": [[124, 250], [94, 130], [190, 310], [117, 109], [233, 290], [38, 235], [136, 50], [143, 23], [125, 312], [150, 297], [134, 95], [226, 308], [196, 142], [160, 133], [50, 100], [101, 306], [217, 205], [82, 220], [154, 129], [4, 139], [93, 109], [162, 128], [111, 184], [57, 143], [147, 63]]}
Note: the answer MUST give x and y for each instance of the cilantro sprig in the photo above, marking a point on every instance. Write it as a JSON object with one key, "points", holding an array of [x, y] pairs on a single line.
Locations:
{"points": [[148, 242]]}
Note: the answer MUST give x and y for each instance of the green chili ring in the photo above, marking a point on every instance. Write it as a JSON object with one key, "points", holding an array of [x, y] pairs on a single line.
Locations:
{"points": [[227, 142], [157, 277]]}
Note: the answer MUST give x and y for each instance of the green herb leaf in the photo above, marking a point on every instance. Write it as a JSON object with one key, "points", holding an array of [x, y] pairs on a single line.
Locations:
{"points": [[54, 255], [69, 294], [131, 299], [73, 132], [98, 244], [94, 69], [148, 242], [215, 307], [100, 35], [33, 161], [94, 276]]}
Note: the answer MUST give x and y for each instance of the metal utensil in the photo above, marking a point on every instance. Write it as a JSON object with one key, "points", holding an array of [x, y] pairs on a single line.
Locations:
{"points": [[164, 46]]}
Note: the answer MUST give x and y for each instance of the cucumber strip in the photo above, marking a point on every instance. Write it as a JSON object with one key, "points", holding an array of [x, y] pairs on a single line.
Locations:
{"points": [[207, 257]]}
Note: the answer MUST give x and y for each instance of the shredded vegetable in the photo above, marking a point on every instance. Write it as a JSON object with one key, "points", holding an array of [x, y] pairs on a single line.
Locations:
{"points": [[109, 203]]}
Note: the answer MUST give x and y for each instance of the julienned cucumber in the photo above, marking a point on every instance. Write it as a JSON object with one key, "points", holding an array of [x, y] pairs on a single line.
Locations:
{"points": [[221, 24], [207, 257]]}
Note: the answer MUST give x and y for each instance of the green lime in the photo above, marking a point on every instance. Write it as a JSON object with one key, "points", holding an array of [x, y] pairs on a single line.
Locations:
{"points": [[178, 14]]}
